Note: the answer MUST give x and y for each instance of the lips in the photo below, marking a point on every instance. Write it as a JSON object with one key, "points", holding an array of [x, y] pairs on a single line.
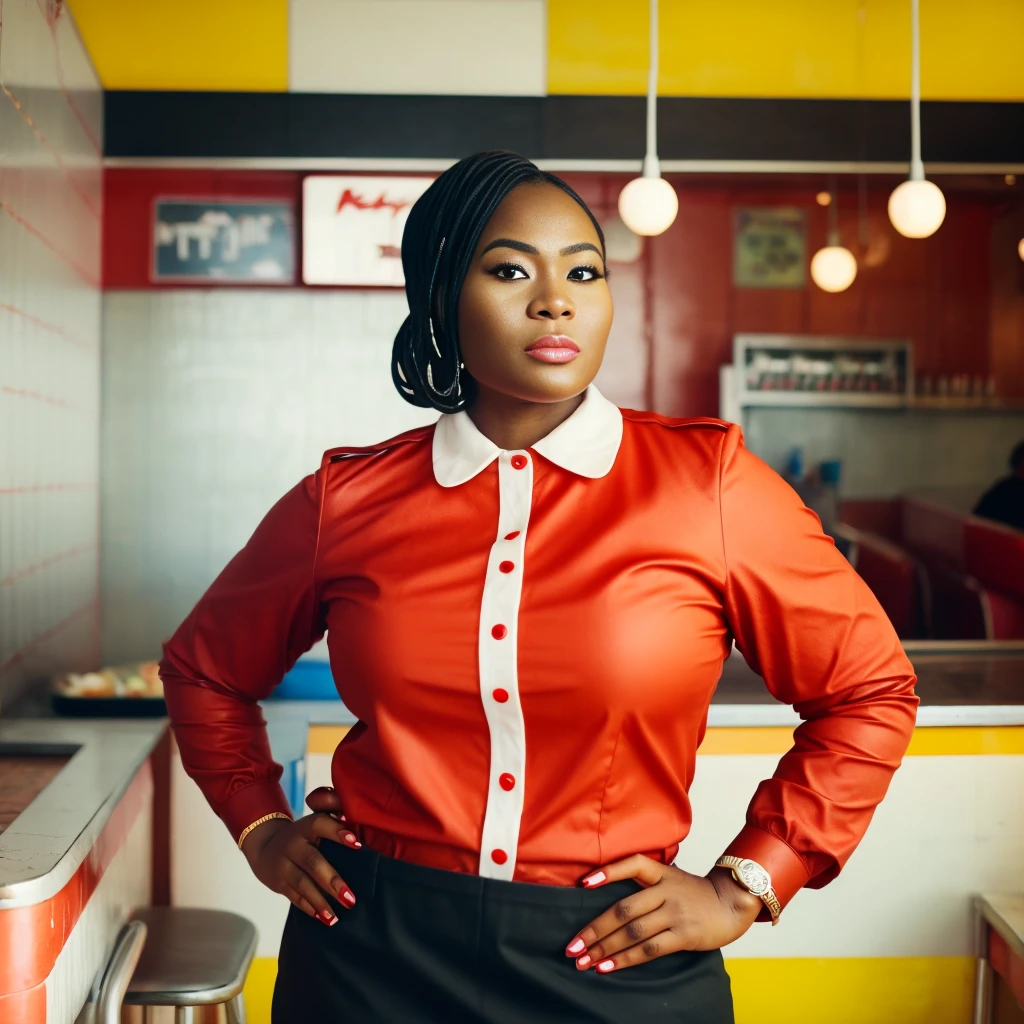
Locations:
{"points": [[554, 348]]}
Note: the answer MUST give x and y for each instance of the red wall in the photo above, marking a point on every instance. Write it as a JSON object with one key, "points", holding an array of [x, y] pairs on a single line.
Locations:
{"points": [[935, 291]]}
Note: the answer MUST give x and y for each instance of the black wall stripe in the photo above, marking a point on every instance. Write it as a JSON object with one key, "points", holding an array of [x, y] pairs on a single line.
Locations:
{"points": [[233, 124]]}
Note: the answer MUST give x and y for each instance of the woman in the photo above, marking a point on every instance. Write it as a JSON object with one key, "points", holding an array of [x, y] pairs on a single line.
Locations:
{"points": [[528, 606]]}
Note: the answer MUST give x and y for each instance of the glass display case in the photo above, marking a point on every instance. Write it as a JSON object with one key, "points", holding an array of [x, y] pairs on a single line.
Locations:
{"points": [[791, 369]]}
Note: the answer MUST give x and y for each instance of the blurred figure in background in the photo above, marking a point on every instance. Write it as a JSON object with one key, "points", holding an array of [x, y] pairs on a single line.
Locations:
{"points": [[1004, 500]]}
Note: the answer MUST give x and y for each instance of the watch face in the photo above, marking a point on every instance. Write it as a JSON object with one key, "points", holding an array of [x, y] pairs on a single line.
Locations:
{"points": [[754, 877]]}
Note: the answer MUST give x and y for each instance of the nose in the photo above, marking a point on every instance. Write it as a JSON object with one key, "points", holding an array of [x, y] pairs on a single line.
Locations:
{"points": [[551, 304]]}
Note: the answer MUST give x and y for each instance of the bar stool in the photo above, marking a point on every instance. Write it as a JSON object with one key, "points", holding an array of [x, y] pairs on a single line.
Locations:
{"points": [[191, 958], [999, 921]]}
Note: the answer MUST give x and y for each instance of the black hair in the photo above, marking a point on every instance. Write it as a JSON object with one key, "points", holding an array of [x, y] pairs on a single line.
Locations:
{"points": [[440, 237], [1017, 457]]}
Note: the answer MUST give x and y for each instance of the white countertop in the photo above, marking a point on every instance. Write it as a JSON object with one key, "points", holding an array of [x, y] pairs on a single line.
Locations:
{"points": [[44, 846]]}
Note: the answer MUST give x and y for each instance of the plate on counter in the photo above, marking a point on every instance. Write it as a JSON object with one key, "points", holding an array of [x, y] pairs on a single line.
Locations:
{"points": [[123, 691]]}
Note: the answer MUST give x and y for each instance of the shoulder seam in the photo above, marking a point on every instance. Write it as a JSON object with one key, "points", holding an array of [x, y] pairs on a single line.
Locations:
{"points": [[338, 454], [673, 423]]}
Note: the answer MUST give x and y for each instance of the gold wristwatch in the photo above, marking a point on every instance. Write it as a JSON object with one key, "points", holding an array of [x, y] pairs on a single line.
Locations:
{"points": [[755, 880]]}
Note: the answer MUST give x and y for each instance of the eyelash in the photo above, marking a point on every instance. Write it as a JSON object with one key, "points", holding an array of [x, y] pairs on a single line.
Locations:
{"points": [[496, 272]]}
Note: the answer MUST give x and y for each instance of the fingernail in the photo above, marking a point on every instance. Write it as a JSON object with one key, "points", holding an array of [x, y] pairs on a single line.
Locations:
{"points": [[583, 962], [327, 917], [597, 876], [348, 898], [574, 947], [349, 838], [341, 817], [605, 966]]}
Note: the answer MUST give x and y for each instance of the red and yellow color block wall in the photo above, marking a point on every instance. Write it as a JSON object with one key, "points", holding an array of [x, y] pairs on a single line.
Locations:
{"points": [[841, 49]]}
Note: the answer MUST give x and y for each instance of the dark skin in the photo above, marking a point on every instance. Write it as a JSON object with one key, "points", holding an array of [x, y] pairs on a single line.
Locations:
{"points": [[538, 270]]}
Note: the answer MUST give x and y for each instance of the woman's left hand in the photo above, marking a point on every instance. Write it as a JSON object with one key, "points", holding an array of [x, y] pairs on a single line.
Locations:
{"points": [[675, 910]]}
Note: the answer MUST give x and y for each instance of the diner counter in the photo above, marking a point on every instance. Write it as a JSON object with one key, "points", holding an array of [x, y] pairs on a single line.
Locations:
{"points": [[965, 684], [959, 684], [46, 844]]}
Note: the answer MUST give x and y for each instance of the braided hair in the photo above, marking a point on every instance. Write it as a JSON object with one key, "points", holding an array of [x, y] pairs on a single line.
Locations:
{"points": [[440, 237]]}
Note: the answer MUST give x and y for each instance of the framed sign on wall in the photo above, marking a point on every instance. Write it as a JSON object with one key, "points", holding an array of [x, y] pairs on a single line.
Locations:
{"points": [[768, 247], [216, 241], [352, 228]]}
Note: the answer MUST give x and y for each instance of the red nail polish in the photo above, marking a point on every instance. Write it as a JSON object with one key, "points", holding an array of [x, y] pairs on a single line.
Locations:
{"points": [[348, 898], [595, 878], [574, 947], [583, 962], [605, 966], [327, 917]]}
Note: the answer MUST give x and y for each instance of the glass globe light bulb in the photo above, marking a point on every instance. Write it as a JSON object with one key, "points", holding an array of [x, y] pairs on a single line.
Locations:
{"points": [[833, 268], [917, 208], [648, 205]]}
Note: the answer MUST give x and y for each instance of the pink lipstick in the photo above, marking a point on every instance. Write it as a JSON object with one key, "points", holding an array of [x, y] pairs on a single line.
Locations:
{"points": [[554, 348]]}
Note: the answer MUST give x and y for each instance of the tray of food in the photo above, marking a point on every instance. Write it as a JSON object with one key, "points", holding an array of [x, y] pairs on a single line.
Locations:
{"points": [[122, 691]]}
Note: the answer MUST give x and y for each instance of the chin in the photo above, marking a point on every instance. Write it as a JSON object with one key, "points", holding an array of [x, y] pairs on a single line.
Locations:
{"points": [[552, 384]]}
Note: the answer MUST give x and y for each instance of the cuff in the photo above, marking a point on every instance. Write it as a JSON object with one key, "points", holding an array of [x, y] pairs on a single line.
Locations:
{"points": [[251, 803], [777, 857]]}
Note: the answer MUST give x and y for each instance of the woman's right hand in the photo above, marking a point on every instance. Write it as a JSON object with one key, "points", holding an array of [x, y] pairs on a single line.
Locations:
{"points": [[283, 855]]}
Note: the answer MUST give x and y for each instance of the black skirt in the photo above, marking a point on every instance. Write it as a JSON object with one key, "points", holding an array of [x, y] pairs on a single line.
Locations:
{"points": [[423, 945]]}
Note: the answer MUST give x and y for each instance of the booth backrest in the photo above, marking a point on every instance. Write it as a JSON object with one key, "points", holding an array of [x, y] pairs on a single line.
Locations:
{"points": [[934, 531], [995, 555], [893, 576]]}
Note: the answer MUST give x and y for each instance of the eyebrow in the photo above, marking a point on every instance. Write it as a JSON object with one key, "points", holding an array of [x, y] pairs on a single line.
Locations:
{"points": [[512, 243]]}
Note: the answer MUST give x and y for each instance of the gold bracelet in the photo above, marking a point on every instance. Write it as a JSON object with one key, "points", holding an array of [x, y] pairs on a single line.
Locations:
{"points": [[260, 821]]}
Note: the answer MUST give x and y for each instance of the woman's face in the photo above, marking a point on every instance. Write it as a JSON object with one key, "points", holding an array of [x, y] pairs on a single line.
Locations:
{"points": [[535, 309]]}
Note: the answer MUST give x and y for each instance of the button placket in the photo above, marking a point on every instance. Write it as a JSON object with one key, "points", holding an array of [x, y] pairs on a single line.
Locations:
{"points": [[499, 682]]}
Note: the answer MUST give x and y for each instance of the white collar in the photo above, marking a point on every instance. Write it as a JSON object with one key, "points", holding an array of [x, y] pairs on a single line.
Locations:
{"points": [[585, 444]]}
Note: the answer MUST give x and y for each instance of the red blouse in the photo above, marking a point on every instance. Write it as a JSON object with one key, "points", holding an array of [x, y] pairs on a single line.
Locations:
{"points": [[530, 641]]}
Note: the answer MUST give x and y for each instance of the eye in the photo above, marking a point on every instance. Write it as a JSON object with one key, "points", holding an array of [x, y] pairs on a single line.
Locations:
{"points": [[585, 273], [508, 272]]}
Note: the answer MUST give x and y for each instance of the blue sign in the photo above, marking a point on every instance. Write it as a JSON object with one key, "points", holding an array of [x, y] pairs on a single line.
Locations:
{"points": [[226, 242]]}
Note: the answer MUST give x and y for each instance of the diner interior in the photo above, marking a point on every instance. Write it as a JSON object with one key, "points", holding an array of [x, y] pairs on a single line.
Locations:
{"points": [[201, 207]]}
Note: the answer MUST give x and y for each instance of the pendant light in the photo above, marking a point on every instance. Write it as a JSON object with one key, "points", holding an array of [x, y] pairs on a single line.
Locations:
{"points": [[648, 205], [834, 267], [917, 207]]}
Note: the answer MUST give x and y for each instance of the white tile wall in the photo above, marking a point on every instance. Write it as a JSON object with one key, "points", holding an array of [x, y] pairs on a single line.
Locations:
{"points": [[889, 453], [50, 207], [216, 402]]}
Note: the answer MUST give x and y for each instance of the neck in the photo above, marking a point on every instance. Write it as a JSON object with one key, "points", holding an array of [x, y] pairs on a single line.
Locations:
{"points": [[512, 423]]}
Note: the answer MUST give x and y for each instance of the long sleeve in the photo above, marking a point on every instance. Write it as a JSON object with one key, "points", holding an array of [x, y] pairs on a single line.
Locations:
{"points": [[807, 623], [247, 630]]}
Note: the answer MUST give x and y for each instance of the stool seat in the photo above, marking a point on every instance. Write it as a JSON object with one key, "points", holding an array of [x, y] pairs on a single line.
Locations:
{"points": [[192, 957]]}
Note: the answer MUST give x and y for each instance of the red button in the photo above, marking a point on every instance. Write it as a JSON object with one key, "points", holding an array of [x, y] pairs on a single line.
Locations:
{"points": [[499, 632], [512, 535], [506, 781], [507, 566], [500, 695], [519, 461], [499, 856]]}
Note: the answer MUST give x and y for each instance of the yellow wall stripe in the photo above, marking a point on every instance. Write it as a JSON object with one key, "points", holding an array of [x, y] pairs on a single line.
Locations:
{"points": [[323, 739], [187, 44], [882, 990], [876, 990], [841, 49]]}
